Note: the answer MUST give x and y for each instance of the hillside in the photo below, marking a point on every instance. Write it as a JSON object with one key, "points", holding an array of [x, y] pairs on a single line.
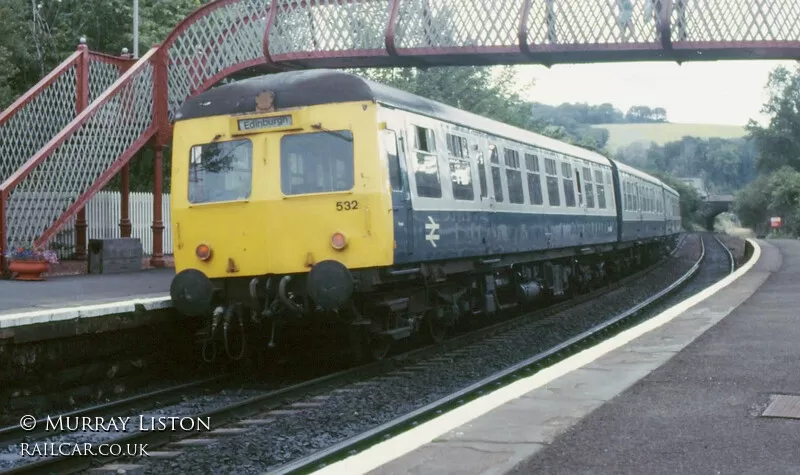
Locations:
{"points": [[621, 135]]}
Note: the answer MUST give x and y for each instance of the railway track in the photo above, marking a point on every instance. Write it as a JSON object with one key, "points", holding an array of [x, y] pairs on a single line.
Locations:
{"points": [[165, 396], [525, 368], [259, 407]]}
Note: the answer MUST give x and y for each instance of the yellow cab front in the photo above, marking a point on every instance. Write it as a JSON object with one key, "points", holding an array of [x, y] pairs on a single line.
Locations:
{"points": [[275, 193]]}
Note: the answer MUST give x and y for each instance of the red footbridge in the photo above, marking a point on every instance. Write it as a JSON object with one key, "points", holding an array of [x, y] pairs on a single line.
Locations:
{"points": [[62, 141]]}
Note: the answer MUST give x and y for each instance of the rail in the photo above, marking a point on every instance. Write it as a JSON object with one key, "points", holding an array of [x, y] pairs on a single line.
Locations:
{"points": [[491, 383], [283, 397], [15, 433]]}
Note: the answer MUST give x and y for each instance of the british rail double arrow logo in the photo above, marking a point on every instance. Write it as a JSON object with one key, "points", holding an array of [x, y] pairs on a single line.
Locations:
{"points": [[432, 227]]}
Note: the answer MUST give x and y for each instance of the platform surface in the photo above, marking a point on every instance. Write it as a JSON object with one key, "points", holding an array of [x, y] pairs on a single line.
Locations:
{"points": [[24, 303], [686, 397]]}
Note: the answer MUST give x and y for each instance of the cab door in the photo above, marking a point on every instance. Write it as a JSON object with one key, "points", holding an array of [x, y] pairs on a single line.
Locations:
{"points": [[393, 148]]}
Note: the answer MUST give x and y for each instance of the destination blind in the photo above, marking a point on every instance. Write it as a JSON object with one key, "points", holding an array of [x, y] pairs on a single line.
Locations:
{"points": [[265, 122]]}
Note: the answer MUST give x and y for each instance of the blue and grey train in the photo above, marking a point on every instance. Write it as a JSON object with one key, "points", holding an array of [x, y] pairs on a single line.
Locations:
{"points": [[320, 195]]}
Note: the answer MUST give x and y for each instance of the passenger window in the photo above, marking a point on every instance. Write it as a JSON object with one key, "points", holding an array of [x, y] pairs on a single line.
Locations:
{"points": [[497, 181], [601, 189], [629, 196], [460, 168], [426, 164], [569, 190], [514, 176], [318, 162], [482, 175], [625, 195], [393, 160], [552, 182], [588, 187], [534, 179]]}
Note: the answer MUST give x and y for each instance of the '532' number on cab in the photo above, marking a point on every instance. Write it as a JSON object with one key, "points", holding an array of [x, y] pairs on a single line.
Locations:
{"points": [[346, 205]]}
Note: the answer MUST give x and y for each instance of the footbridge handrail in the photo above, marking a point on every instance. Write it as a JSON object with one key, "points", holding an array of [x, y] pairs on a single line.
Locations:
{"points": [[105, 136]]}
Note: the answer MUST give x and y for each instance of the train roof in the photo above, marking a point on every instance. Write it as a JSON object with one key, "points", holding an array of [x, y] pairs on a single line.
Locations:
{"points": [[669, 188], [323, 86], [638, 173]]}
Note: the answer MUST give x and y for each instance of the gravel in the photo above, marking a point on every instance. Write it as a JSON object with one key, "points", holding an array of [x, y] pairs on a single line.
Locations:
{"points": [[10, 455], [363, 406]]}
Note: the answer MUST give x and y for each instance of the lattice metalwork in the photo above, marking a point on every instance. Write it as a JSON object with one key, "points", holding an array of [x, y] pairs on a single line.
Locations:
{"points": [[102, 75], [219, 40], [228, 35], [736, 20], [328, 25], [592, 22], [35, 123], [72, 168], [457, 23]]}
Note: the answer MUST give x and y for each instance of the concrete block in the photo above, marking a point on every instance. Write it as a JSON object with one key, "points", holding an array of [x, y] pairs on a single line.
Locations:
{"points": [[114, 256]]}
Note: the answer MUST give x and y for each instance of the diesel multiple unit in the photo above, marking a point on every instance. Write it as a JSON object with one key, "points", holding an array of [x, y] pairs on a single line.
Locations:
{"points": [[311, 197]]}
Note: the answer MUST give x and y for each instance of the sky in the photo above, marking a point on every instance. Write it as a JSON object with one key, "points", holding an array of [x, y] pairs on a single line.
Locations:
{"points": [[723, 92]]}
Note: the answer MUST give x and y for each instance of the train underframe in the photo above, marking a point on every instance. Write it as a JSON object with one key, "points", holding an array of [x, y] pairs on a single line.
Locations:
{"points": [[424, 301]]}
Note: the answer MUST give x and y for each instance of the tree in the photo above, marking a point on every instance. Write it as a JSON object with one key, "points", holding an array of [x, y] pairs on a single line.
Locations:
{"points": [[726, 165], [776, 194], [751, 204], [779, 143], [36, 35], [638, 114], [16, 55], [690, 201], [470, 88]]}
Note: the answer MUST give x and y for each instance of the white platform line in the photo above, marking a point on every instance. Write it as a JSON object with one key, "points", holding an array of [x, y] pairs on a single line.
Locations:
{"points": [[158, 301], [391, 449]]}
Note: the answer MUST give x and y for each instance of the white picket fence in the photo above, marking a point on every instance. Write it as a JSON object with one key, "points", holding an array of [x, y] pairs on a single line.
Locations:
{"points": [[102, 219]]}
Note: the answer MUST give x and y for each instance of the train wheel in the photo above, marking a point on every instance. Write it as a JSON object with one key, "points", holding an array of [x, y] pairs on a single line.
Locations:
{"points": [[378, 346], [367, 346], [435, 328]]}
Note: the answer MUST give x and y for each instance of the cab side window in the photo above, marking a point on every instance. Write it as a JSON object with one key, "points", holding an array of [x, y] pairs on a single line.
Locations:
{"points": [[393, 160]]}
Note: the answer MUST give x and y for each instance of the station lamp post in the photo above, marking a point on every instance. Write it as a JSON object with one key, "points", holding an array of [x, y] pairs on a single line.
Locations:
{"points": [[136, 29]]}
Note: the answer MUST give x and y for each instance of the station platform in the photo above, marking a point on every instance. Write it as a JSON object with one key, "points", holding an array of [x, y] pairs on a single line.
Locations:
{"points": [[707, 386], [67, 298]]}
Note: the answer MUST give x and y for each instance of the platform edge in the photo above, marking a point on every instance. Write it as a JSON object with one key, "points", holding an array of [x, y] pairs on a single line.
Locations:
{"points": [[34, 317], [417, 437]]}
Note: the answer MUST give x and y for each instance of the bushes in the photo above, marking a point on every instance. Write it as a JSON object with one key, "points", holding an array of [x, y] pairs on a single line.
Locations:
{"points": [[775, 194]]}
